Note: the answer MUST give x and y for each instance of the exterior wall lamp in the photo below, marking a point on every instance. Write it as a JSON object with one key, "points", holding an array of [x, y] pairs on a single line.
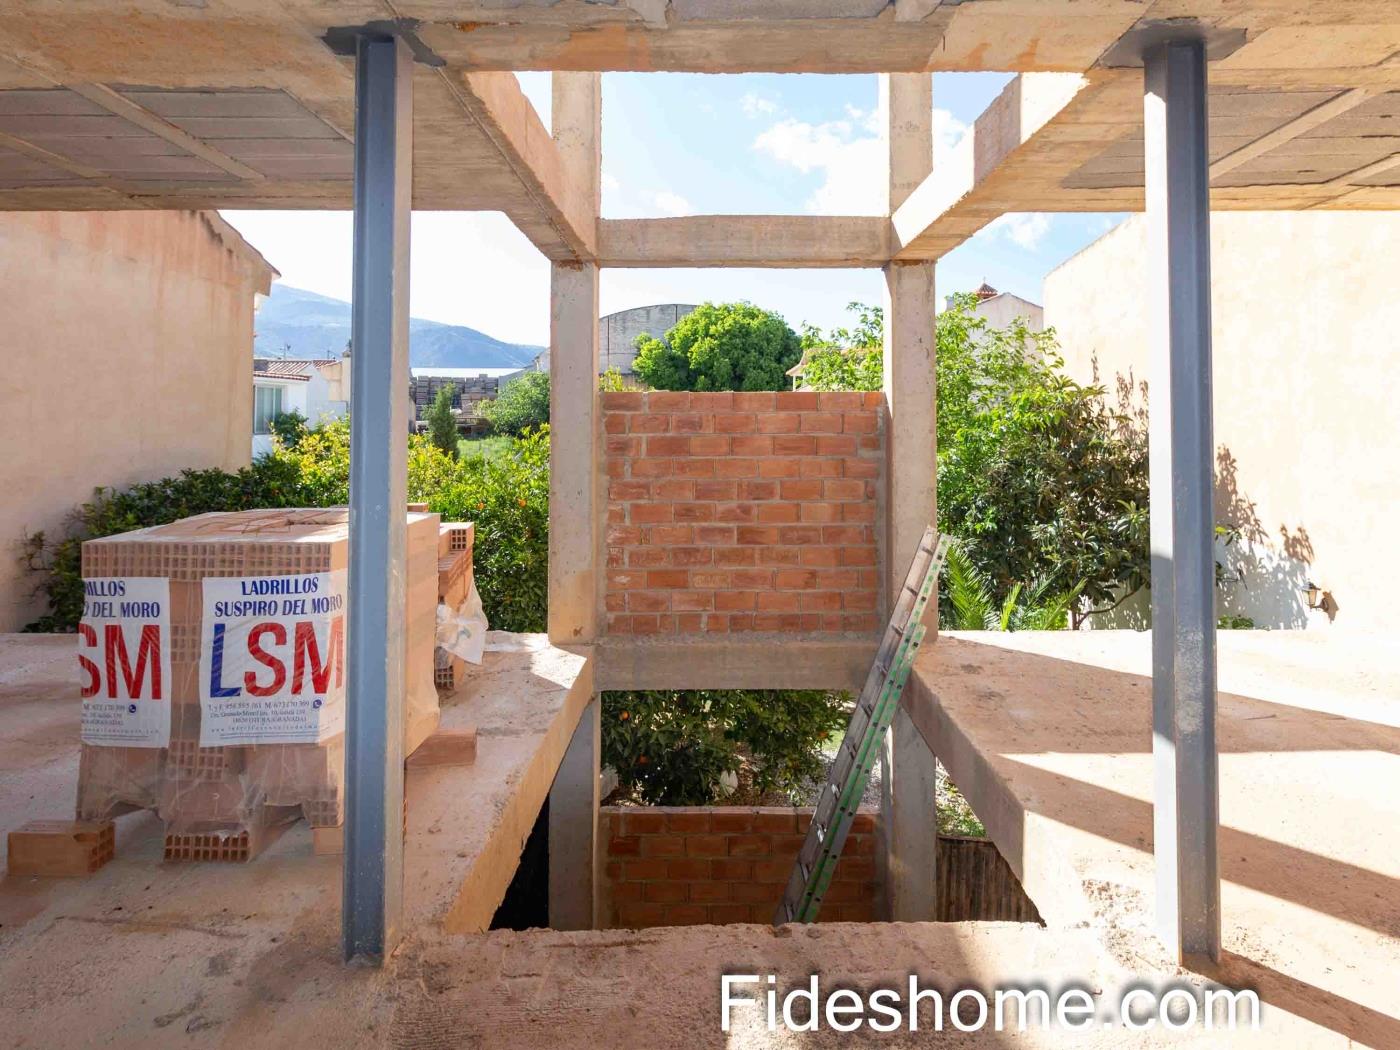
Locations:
{"points": [[1315, 596]]}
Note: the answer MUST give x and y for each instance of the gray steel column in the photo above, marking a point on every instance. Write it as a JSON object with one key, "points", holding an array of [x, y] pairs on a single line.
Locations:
{"points": [[1186, 791], [373, 889]]}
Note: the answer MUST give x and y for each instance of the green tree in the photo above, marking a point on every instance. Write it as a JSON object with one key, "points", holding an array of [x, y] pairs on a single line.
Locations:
{"points": [[288, 427], [521, 404], [442, 421], [848, 358], [670, 748], [720, 346], [610, 381], [1035, 474], [507, 497]]}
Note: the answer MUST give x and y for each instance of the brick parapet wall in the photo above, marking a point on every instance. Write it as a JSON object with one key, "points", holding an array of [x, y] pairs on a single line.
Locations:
{"points": [[691, 866], [732, 512]]}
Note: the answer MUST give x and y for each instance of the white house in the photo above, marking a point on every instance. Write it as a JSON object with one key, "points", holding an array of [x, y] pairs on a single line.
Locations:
{"points": [[1001, 308], [319, 390]]}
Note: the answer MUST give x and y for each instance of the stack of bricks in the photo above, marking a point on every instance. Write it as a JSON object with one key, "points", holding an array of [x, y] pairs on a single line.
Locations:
{"points": [[691, 866], [228, 802], [742, 511], [456, 540]]}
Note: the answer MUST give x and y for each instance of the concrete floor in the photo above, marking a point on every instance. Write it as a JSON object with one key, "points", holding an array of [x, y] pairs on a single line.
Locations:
{"points": [[1049, 738], [151, 955]]}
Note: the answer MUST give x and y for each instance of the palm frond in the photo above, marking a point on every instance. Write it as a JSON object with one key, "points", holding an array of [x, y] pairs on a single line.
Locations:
{"points": [[1008, 610], [969, 592]]}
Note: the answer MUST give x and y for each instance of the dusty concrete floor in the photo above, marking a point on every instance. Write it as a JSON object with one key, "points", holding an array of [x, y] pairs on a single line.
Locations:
{"points": [[1049, 737], [234, 983], [146, 954]]}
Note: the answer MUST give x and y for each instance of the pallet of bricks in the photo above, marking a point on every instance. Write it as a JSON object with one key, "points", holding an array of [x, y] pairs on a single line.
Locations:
{"points": [[455, 581], [237, 768]]}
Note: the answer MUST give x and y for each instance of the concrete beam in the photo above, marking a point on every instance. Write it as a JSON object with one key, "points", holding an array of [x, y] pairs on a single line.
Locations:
{"points": [[574, 855], [954, 202], [757, 662], [779, 36], [770, 241], [555, 187]]}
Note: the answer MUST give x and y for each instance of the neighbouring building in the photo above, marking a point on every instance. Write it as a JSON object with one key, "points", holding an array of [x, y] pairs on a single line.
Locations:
{"points": [[1001, 308], [1305, 316], [618, 332], [318, 389], [85, 294]]}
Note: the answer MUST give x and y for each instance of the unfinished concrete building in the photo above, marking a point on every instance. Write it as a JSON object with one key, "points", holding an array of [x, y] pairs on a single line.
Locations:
{"points": [[1157, 813]]}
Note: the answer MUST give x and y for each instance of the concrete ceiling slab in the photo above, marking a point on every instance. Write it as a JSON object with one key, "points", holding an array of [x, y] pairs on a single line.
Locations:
{"points": [[1358, 136], [243, 104], [18, 169]]}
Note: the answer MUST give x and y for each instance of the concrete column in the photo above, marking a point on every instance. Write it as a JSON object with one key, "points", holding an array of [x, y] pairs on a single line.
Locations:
{"points": [[574, 855], [908, 808], [373, 870], [908, 801], [574, 463], [1186, 813], [906, 100]]}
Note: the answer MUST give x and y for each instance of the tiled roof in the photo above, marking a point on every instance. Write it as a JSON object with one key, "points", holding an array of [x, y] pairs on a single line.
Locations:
{"points": [[286, 367], [277, 368]]}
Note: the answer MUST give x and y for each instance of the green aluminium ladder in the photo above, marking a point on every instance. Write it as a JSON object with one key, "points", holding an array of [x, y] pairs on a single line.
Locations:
{"points": [[874, 710]]}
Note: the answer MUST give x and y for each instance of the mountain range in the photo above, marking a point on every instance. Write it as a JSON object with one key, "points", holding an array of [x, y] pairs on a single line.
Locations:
{"points": [[296, 323]]}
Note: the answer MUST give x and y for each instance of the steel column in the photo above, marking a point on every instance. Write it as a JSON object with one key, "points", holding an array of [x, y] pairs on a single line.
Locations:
{"points": [[1186, 789], [373, 871]]}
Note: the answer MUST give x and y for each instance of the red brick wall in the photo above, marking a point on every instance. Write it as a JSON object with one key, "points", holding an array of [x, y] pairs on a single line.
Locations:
{"points": [[690, 866], [742, 512]]}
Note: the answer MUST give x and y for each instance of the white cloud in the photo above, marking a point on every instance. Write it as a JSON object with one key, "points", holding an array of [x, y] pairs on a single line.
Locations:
{"points": [[1024, 229], [851, 155], [672, 204], [851, 161], [756, 105], [947, 131], [635, 203]]}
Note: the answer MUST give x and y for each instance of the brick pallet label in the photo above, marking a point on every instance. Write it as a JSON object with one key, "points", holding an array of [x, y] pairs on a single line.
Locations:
{"points": [[124, 661], [272, 659]]}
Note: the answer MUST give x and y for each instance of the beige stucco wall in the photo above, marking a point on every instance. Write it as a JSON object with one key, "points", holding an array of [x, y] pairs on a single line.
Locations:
{"points": [[1306, 347], [127, 346]]}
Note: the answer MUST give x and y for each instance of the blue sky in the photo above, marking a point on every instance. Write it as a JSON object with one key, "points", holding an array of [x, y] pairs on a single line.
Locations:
{"points": [[681, 144]]}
